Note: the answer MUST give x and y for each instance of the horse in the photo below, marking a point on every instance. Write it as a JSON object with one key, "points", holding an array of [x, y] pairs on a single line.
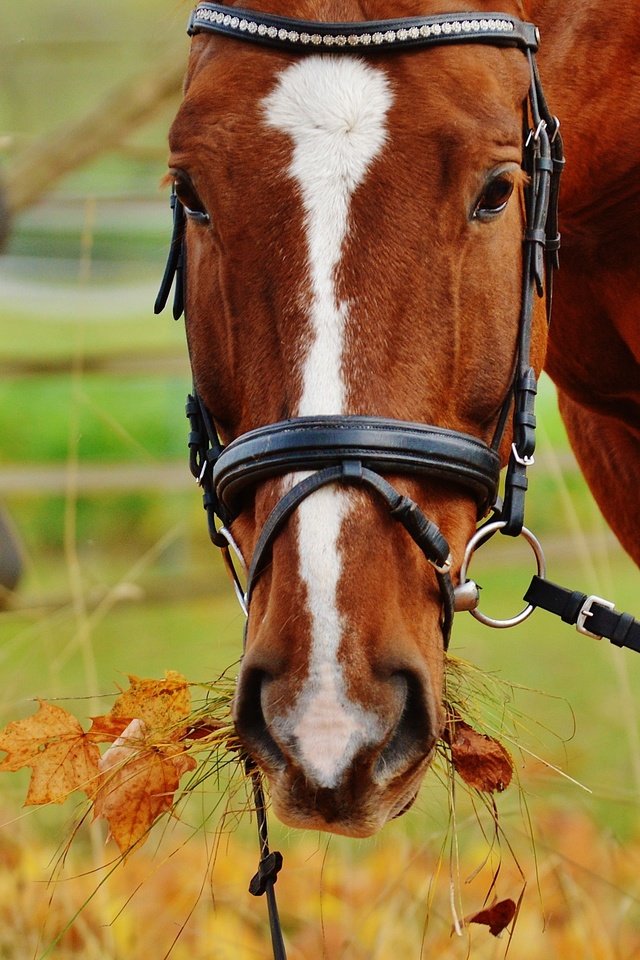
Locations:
{"points": [[354, 223]]}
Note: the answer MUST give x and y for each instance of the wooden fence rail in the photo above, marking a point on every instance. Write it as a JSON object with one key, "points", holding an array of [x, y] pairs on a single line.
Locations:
{"points": [[40, 480], [161, 363]]}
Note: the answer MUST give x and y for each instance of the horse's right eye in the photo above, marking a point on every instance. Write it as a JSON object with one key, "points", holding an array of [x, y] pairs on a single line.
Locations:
{"points": [[494, 197], [188, 197]]}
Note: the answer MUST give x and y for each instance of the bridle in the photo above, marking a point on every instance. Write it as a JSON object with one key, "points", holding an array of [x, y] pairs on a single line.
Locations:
{"points": [[359, 450]]}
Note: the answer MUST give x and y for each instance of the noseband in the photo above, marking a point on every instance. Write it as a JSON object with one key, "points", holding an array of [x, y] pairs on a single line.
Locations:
{"points": [[359, 450]]}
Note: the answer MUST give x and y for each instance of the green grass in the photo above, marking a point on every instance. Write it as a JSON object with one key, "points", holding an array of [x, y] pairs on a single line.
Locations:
{"points": [[132, 419]]}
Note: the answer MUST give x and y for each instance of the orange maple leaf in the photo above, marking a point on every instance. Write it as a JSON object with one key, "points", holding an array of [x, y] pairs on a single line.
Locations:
{"points": [[163, 706], [137, 784], [136, 779], [59, 752], [106, 729]]}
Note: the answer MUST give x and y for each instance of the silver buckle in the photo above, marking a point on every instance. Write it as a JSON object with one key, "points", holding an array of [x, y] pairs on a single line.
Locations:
{"points": [[586, 611], [535, 134], [523, 461]]}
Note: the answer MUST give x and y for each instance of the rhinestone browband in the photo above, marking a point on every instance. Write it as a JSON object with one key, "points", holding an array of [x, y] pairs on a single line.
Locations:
{"points": [[286, 32]]}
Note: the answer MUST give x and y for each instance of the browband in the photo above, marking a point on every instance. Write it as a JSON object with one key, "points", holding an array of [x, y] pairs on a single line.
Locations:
{"points": [[386, 446], [498, 29]]}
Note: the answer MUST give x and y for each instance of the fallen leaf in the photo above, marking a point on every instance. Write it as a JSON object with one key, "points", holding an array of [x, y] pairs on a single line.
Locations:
{"points": [[201, 729], [106, 729], [497, 917], [59, 752], [163, 705], [138, 780], [481, 761]]}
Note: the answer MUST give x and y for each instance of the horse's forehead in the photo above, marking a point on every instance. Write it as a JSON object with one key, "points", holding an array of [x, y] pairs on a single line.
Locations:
{"points": [[334, 111], [455, 104]]}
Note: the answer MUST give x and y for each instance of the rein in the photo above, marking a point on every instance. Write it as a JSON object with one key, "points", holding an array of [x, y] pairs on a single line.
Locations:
{"points": [[359, 450]]}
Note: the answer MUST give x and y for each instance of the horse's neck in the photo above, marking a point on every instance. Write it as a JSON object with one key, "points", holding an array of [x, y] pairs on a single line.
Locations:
{"points": [[588, 63]]}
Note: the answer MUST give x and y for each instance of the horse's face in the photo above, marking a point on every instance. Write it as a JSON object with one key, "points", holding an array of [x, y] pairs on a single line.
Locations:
{"points": [[363, 257]]}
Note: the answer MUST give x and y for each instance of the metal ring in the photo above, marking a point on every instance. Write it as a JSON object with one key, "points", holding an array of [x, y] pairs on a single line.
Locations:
{"points": [[479, 537]]}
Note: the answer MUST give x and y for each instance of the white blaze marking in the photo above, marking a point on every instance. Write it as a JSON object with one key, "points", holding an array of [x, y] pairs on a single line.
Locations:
{"points": [[334, 110]]}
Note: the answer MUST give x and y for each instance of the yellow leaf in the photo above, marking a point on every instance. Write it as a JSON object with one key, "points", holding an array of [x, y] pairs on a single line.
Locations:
{"points": [[137, 784], [163, 705], [55, 746]]}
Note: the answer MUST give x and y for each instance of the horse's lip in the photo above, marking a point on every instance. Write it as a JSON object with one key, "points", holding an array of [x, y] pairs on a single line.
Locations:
{"points": [[407, 806]]}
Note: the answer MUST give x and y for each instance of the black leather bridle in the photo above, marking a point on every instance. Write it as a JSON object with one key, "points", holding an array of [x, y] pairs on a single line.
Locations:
{"points": [[360, 450]]}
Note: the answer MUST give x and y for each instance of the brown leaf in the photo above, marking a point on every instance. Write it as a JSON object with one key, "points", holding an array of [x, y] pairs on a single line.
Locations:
{"points": [[162, 705], [137, 783], [55, 746], [106, 729], [201, 729], [497, 917], [481, 761]]}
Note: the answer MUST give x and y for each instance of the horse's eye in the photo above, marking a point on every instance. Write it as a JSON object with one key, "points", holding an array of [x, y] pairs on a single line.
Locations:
{"points": [[494, 198], [188, 197]]}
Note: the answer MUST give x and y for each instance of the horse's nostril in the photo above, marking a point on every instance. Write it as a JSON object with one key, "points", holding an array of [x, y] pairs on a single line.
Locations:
{"points": [[250, 720], [413, 736]]}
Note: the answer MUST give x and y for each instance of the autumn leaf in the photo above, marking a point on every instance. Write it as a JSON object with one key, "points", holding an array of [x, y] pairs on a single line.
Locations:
{"points": [[59, 752], [140, 772], [149, 728], [106, 729], [137, 783], [482, 761], [497, 917], [163, 705]]}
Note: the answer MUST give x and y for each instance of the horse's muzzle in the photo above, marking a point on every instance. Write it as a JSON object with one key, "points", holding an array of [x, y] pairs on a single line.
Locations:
{"points": [[327, 775]]}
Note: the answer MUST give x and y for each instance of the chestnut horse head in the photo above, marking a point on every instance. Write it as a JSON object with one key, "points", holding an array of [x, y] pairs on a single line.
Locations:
{"points": [[354, 228]]}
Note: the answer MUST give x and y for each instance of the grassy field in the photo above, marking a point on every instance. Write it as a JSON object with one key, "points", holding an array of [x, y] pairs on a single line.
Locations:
{"points": [[121, 579]]}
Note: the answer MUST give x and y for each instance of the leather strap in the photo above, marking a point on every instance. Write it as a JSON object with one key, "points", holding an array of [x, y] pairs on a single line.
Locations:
{"points": [[592, 615], [386, 446], [174, 268], [423, 531], [263, 882], [498, 29]]}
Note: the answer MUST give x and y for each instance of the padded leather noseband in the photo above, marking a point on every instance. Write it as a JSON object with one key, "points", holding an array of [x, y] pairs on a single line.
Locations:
{"points": [[385, 446]]}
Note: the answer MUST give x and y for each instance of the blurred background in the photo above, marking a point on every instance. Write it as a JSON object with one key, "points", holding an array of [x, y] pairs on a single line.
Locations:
{"points": [[106, 570]]}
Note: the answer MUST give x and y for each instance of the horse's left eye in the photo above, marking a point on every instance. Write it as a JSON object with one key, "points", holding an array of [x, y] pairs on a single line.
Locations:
{"points": [[494, 198], [188, 197]]}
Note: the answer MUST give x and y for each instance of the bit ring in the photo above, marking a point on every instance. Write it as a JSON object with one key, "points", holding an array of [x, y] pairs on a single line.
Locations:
{"points": [[479, 538]]}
